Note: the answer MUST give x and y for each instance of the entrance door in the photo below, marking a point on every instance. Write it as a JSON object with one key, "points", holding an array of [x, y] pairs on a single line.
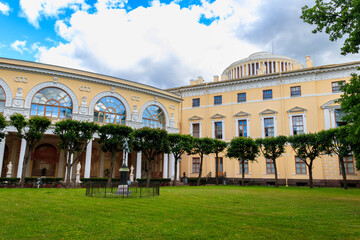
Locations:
{"points": [[220, 166]]}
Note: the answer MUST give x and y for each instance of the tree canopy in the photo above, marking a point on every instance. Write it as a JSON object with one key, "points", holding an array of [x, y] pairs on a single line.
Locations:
{"points": [[338, 18], [3, 124]]}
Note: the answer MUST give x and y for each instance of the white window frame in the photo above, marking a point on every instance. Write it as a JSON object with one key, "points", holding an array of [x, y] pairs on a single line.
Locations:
{"points": [[191, 127], [291, 122], [247, 126], [213, 128], [263, 125]]}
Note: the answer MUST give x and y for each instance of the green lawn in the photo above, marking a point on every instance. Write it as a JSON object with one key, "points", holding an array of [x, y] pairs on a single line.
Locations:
{"points": [[223, 212]]}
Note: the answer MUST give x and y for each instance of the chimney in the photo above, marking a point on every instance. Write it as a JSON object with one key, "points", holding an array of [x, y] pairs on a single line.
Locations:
{"points": [[216, 78], [199, 81], [309, 62]]}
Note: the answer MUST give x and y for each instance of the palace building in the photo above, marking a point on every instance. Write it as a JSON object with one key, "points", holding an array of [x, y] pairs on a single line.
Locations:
{"points": [[263, 95]]}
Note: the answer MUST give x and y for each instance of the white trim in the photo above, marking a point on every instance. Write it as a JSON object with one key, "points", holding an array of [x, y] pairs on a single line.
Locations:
{"points": [[291, 122], [156, 103], [34, 90], [110, 94], [327, 119], [247, 126], [263, 125], [8, 93], [191, 128], [213, 128]]}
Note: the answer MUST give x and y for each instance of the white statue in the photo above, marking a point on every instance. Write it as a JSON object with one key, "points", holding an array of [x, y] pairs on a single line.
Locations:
{"points": [[9, 167], [78, 167], [132, 173]]}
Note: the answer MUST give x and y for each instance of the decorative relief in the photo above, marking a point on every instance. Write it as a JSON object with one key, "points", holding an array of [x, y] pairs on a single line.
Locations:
{"points": [[134, 116], [172, 107], [83, 107], [135, 98], [18, 100], [21, 79], [112, 89], [85, 89], [55, 80]]}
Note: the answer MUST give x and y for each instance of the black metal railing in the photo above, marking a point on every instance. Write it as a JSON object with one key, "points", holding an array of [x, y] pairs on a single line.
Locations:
{"points": [[115, 190]]}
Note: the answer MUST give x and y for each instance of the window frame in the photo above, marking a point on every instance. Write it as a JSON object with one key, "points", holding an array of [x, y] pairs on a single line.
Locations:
{"points": [[237, 126], [215, 130], [192, 129], [346, 163], [218, 100], [267, 96], [196, 102], [195, 162], [269, 165], [117, 115], [295, 93], [291, 115], [246, 166], [263, 125], [300, 162], [241, 99], [336, 89]]}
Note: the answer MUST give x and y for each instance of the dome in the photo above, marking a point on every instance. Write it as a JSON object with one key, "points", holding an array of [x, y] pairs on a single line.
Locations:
{"points": [[260, 63]]}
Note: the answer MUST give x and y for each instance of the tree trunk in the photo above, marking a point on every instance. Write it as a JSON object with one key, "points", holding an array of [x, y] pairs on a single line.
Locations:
{"points": [[243, 172], [68, 167], [200, 170], [276, 176], [25, 161], [113, 157], [175, 171], [343, 171], [310, 175], [216, 170], [148, 173]]}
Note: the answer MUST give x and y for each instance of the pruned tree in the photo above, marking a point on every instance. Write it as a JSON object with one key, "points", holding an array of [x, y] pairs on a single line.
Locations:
{"points": [[74, 137], [112, 138], [339, 145], [338, 18], [179, 144], [32, 131], [202, 146], [3, 125], [243, 148], [350, 103], [272, 148], [150, 142], [307, 147], [219, 147]]}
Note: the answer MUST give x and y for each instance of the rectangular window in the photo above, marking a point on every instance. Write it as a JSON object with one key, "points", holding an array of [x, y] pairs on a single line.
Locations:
{"points": [[242, 126], [336, 86], [246, 166], [298, 125], [267, 94], [195, 165], [241, 97], [196, 102], [218, 130], [220, 165], [269, 166], [196, 130], [295, 91], [339, 114], [217, 100], [300, 166], [349, 165], [269, 127]]}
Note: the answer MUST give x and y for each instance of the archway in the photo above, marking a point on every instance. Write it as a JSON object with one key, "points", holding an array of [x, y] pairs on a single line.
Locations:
{"points": [[45, 160]]}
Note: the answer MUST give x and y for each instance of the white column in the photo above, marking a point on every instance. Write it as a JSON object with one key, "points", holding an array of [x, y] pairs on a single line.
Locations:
{"points": [[171, 167], [2, 152], [332, 117], [178, 172], [327, 118], [138, 165], [242, 71], [88, 160], [102, 162], [166, 160], [276, 66], [21, 157], [61, 164]]}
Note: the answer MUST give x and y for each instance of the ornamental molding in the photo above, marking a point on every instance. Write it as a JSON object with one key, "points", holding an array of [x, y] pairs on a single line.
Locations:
{"points": [[268, 112], [242, 114], [195, 118], [296, 109], [156, 103], [110, 94], [111, 83], [63, 87], [8, 94], [11, 110], [217, 116], [331, 104]]}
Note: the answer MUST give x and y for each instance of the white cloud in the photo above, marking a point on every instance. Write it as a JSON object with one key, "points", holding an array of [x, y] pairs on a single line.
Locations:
{"points": [[19, 46], [4, 8], [162, 45], [33, 10]]}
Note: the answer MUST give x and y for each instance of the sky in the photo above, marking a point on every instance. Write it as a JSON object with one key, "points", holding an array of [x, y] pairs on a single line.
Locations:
{"points": [[162, 43]]}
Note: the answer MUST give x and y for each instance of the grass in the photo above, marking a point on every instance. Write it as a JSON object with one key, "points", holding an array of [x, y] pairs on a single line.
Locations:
{"points": [[211, 212]]}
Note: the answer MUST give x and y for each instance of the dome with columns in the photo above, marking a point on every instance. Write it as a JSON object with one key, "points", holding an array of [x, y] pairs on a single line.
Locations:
{"points": [[258, 64]]}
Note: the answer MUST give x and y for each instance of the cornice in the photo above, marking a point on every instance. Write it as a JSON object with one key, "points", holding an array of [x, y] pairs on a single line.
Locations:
{"points": [[74, 76]]}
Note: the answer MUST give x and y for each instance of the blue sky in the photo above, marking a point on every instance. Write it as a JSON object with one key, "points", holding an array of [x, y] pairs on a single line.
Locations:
{"points": [[161, 43]]}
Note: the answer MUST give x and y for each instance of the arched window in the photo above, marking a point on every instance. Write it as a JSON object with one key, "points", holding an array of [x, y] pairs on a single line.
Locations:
{"points": [[53, 103], [2, 99], [153, 117], [109, 110]]}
